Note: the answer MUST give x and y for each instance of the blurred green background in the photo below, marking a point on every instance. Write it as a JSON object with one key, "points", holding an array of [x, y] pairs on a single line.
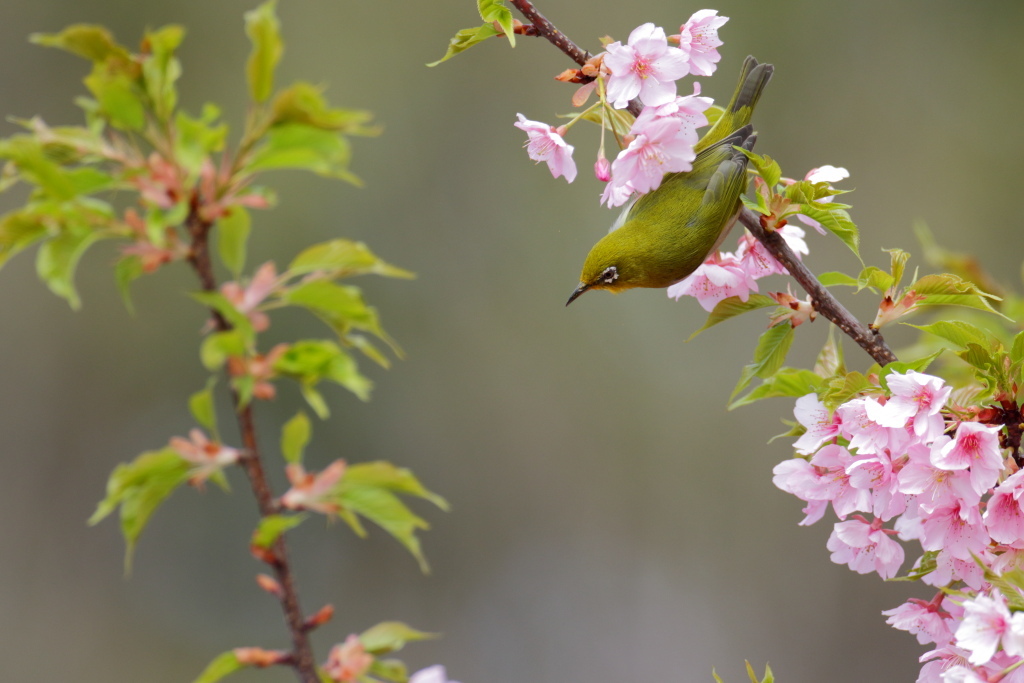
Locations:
{"points": [[610, 519]]}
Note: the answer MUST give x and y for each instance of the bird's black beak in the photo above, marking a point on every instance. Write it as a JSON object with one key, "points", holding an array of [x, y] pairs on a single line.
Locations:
{"points": [[579, 290]]}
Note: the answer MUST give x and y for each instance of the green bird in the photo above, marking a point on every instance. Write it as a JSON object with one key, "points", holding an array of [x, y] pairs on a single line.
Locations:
{"points": [[665, 234]]}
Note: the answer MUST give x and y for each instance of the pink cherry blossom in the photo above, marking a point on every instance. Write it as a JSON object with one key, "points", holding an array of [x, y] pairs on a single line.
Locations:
{"points": [[922, 619], [820, 424], [313, 491], [975, 446], [646, 67], [833, 462], [987, 624], [876, 474], [949, 569], [699, 38], [545, 143], [207, 457], [1004, 513], [247, 299], [934, 487], [720, 277], [865, 547], [955, 529], [916, 399], [865, 435], [432, 674], [349, 661]]}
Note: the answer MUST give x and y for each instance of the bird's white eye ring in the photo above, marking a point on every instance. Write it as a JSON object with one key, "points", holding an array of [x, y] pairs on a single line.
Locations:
{"points": [[610, 275]]}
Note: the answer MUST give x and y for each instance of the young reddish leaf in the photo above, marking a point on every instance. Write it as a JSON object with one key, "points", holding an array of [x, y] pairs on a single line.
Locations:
{"points": [[264, 30]]}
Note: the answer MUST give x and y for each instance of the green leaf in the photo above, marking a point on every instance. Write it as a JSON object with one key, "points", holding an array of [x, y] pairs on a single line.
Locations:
{"points": [[793, 382], [950, 290], [225, 664], [198, 138], [272, 526], [495, 11], [343, 258], [200, 404], [128, 269], [312, 361], [766, 167], [217, 347], [138, 488], [842, 388], [264, 31], [1017, 349], [392, 670], [382, 474], [369, 489], [391, 636], [19, 230], [94, 43], [161, 69], [341, 307], [836, 221], [769, 356], [830, 360], [232, 239], [304, 103], [387, 511], [239, 322], [58, 258], [897, 263], [960, 333], [306, 148], [733, 306], [118, 95], [834, 278], [294, 437], [465, 39], [875, 278]]}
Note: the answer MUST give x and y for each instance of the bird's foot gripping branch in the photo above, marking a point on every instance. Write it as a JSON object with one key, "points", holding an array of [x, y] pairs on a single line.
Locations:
{"points": [[904, 458]]}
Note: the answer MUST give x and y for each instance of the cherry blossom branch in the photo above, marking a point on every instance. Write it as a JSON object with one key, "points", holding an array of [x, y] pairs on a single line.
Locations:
{"points": [[826, 304], [546, 29], [301, 657], [823, 301]]}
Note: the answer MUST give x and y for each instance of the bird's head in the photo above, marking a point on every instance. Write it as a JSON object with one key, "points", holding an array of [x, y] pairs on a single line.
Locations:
{"points": [[609, 266]]}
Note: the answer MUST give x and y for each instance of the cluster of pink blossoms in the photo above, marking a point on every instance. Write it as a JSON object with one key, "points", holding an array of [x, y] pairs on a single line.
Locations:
{"points": [[890, 470], [662, 138]]}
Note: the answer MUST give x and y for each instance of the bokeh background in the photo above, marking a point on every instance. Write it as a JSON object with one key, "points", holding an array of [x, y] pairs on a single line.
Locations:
{"points": [[610, 519]]}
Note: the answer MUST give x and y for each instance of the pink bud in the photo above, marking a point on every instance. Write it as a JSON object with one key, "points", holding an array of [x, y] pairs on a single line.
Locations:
{"points": [[603, 169]]}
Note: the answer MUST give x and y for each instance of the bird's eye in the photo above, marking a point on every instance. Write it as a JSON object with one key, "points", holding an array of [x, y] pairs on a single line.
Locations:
{"points": [[610, 275]]}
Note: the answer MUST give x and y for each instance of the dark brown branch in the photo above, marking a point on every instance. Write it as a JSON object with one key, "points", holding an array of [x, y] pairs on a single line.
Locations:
{"points": [[826, 304], [301, 658], [548, 30]]}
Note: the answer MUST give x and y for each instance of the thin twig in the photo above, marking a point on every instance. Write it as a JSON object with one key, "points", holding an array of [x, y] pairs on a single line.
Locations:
{"points": [[823, 301], [302, 655]]}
